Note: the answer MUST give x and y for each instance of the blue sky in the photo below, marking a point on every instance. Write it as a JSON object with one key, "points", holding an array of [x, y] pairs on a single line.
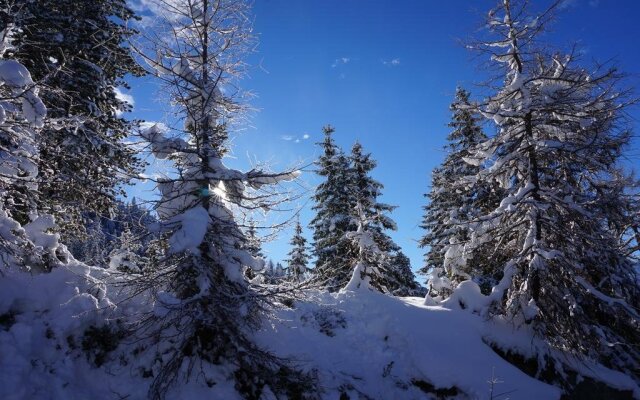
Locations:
{"points": [[382, 72]]}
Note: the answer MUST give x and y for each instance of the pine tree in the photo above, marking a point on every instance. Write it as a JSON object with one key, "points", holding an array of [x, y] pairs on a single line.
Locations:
{"points": [[367, 190], [298, 257], [368, 273], [254, 244], [25, 239], [205, 309], [77, 50], [454, 202], [401, 280], [373, 220], [333, 206], [561, 133]]}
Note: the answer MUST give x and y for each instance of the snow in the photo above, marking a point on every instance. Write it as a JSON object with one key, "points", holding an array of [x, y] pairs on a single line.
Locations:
{"points": [[360, 342], [17, 78], [387, 342], [357, 280], [193, 226], [37, 232], [14, 74]]}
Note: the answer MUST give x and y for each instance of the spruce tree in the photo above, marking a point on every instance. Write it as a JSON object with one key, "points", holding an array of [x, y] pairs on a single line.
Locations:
{"points": [[298, 257], [401, 280], [454, 203], [77, 50], [373, 218], [561, 134], [254, 244], [334, 205]]}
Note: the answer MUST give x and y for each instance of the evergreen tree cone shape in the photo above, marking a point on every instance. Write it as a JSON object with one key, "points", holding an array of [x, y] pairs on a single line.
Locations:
{"points": [[454, 202], [298, 256], [334, 203]]}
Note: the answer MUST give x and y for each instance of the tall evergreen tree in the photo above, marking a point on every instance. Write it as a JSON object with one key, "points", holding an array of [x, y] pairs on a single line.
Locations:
{"points": [[22, 116], [372, 217], [333, 206], [561, 135], [454, 203], [205, 309], [298, 257], [367, 190], [77, 49]]}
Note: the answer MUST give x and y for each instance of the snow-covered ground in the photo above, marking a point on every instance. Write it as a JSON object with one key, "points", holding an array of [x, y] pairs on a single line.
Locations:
{"points": [[363, 344], [382, 344]]}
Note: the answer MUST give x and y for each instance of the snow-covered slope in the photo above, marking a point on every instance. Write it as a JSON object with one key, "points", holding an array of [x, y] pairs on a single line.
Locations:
{"points": [[360, 345], [387, 347]]}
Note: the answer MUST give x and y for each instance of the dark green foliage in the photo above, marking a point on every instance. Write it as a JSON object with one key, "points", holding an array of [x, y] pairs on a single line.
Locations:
{"points": [[439, 393], [347, 198], [333, 206], [76, 50], [453, 200], [400, 280], [392, 270], [298, 257]]}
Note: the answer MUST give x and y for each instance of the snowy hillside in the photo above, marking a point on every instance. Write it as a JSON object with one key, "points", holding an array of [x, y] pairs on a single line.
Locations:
{"points": [[359, 345], [530, 234]]}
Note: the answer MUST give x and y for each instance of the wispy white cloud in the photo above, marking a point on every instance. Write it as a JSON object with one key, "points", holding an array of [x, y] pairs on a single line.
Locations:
{"points": [[124, 97], [577, 3], [340, 61], [148, 124], [392, 63], [295, 138]]}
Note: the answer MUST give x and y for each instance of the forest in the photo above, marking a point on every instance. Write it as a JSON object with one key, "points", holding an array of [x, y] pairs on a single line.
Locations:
{"points": [[529, 286]]}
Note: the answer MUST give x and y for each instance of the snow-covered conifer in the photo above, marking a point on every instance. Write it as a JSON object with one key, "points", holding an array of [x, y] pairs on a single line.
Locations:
{"points": [[205, 310], [298, 257], [253, 242], [401, 280], [454, 201], [333, 206], [126, 257], [370, 265], [366, 190], [26, 240], [76, 49], [561, 133]]}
